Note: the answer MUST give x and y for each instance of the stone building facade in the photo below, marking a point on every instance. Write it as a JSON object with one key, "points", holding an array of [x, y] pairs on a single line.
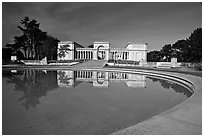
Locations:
{"points": [[68, 50]]}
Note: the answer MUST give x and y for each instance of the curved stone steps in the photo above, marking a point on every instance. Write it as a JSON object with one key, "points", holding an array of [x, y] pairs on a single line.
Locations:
{"points": [[91, 64]]}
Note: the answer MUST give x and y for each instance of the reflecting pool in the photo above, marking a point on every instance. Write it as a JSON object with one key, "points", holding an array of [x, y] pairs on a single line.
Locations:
{"points": [[82, 102]]}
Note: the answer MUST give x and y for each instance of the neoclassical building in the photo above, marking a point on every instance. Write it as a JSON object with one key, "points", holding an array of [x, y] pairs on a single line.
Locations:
{"points": [[68, 50]]}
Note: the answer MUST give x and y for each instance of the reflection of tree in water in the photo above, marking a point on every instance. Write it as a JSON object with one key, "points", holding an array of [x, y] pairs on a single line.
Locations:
{"points": [[176, 87], [34, 84], [63, 78], [181, 89]]}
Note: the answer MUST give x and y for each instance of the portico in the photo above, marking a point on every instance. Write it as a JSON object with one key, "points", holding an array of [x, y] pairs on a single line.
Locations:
{"points": [[101, 51]]}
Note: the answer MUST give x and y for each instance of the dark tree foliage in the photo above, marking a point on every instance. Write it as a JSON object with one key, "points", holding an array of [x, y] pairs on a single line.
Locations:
{"points": [[64, 49], [91, 46], [166, 52], [34, 37], [49, 48], [154, 56], [182, 51], [6, 55], [195, 45], [189, 50], [34, 43]]}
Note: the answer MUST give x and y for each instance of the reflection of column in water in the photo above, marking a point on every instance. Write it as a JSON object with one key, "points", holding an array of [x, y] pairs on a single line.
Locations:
{"points": [[117, 76], [136, 80], [65, 78], [83, 76]]}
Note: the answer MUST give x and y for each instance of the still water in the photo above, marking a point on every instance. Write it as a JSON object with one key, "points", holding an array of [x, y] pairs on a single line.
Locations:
{"points": [[82, 102]]}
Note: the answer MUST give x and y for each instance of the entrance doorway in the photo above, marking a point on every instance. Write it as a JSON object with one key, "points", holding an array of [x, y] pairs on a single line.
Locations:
{"points": [[101, 54]]}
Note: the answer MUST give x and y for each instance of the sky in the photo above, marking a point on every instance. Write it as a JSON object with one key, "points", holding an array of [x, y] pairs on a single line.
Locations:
{"points": [[118, 22]]}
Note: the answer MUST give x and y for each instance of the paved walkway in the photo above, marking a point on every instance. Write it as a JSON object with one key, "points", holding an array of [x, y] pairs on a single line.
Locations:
{"points": [[91, 64]]}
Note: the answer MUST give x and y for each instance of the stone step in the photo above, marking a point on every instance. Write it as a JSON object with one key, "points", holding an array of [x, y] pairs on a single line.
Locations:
{"points": [[91, 64]]}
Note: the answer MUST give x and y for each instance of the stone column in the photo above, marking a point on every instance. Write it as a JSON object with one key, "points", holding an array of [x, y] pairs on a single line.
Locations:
{"points": [[78, 55], [95, 54], [84, 54], [123, 56], [107, 54], [145, 56], [91, 54]]}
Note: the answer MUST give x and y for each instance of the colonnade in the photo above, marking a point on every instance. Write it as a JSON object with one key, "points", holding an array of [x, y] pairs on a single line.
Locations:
{"points": [[116, 54], [84, 54], [119, 54], [88, 54]]}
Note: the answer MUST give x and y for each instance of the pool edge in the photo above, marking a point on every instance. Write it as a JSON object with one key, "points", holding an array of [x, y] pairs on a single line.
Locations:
{"points": [[183, 119]]}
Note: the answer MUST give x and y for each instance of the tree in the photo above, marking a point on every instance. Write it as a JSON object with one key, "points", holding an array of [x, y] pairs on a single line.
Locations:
{"points": [[195, 44], [154, 56], [49, 48], [34, 36], [34, 43], [64, 49], [166, 52], [181, 49], [20, 42], [6, 55], [189, 50], [91, 46]]}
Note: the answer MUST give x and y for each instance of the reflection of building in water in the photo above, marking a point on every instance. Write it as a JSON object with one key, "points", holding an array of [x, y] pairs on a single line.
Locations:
{"points": [[136, 81], [99, 79], [131, 80]]}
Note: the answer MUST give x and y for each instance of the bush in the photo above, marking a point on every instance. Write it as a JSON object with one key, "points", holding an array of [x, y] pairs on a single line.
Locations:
{"points": [[198, 67]]}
